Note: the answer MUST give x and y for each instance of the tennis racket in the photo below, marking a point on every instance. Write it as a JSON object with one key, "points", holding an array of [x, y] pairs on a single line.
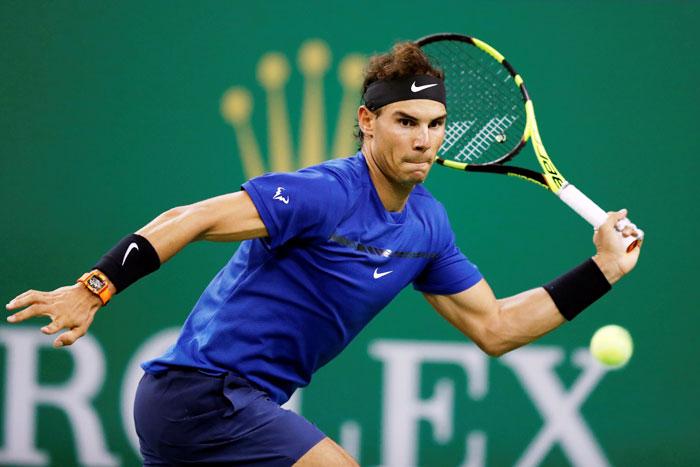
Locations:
{"points": [[492, 118]]}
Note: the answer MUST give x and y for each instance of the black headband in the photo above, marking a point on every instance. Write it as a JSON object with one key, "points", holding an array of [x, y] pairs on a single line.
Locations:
{"points": [[381, 93]]}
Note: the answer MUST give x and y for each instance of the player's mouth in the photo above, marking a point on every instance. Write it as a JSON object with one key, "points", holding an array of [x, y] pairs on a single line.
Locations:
{"points": [[419, 164]]}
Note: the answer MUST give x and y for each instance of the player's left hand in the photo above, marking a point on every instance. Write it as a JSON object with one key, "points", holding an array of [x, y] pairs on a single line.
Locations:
{"points": [[72, 307], [611, 255]]}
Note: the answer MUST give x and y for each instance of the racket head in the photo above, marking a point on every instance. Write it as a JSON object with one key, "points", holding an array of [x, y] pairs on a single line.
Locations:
{"points": [[488, 120]]}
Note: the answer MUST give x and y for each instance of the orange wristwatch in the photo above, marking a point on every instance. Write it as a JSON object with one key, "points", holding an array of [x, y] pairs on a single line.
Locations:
{"points": [[96, 282]]}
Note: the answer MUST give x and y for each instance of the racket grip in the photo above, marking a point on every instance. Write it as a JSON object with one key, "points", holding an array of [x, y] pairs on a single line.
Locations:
{"points": [[595, 216]]}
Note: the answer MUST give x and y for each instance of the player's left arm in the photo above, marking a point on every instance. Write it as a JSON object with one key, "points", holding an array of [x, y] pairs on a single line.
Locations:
{"points": [[227, 218], [498, 326]]}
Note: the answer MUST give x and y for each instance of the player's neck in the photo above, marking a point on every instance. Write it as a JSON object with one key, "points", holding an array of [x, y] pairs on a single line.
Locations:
{"points": [[393, 195]]}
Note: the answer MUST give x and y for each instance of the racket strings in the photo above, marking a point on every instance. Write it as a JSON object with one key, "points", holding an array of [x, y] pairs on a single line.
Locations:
{"points": [[486, 113], [485, 90]]}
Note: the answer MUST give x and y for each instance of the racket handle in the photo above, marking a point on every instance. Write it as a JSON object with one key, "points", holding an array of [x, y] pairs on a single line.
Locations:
{"points": [[595, 216]]}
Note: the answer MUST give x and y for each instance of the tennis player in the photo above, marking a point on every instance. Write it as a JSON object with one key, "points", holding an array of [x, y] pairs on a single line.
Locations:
{"points": [[323, 250]]}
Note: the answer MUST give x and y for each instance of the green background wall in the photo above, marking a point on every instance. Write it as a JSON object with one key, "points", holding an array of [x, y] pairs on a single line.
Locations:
{"points": [[109, 115]]}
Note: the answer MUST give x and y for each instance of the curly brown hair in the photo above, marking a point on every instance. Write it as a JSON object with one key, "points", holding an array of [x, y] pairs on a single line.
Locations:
{"points": [[404, 59]]}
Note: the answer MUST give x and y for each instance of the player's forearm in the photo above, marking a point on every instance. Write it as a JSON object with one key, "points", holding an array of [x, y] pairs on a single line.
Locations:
{"points": [[171, 231], [527, 316], [498, 326], [523, 318], [231, 217]]}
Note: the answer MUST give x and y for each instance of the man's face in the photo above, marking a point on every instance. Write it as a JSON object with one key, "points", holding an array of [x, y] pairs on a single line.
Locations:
{"points": [[405, 138]]}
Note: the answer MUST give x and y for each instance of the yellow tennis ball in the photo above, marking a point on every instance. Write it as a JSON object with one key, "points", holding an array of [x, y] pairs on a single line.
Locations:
{"points": [[612, 345]]}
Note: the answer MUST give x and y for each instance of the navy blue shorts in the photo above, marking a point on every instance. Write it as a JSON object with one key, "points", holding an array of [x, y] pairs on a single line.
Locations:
{"points": [[185, 417]]}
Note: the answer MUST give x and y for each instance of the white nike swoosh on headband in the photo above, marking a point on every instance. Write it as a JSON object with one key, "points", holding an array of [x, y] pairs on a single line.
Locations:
{"points": [[415, 88], [132, 245]]}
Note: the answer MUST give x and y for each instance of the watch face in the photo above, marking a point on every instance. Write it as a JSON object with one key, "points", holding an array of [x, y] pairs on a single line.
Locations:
{"points": [[96, 283]]}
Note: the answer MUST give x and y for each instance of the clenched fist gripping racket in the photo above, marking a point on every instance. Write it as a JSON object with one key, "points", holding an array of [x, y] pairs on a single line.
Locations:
{"points": [[492, 118]]}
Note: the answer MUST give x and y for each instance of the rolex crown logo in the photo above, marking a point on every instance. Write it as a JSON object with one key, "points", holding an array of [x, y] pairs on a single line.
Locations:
{"points": [[273, 73]]}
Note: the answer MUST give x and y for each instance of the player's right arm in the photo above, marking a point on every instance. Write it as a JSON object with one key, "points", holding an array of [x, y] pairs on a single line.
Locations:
{"points": [[498, 326], [226, 218]]}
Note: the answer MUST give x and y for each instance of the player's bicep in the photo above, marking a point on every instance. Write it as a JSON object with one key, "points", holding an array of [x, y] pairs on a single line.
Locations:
{"points": [[230, 218], [473, 311]]}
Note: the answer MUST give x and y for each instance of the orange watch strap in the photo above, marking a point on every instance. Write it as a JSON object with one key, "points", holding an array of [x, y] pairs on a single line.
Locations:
{"points": [[105, 295]]}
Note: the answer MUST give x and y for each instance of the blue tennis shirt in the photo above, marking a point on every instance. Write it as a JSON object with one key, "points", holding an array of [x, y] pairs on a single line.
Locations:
{"points": [[286, 304]]}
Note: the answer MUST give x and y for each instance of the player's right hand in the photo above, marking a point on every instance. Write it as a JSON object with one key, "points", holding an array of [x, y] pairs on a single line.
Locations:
{"points": [[72, 307], [611, 253]]}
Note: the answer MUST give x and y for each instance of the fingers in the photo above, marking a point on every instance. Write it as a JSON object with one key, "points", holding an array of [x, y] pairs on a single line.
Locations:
{"points": [[56, 325], [25, 299], [29, 312], [52, 328], [619, 221], [58, 307], [618, 232], [629, 230], [69, 337], [617, 217]]}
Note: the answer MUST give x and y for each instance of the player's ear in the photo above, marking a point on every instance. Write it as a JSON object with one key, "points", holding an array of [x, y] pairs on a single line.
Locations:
{"points": [[365, 120]]}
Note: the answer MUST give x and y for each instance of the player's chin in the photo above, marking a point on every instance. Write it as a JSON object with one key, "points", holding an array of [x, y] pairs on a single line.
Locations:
{"points": [[417, 173]]}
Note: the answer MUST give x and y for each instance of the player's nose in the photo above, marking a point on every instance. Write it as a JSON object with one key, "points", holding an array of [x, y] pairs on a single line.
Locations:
{"points": [[421, 138]]}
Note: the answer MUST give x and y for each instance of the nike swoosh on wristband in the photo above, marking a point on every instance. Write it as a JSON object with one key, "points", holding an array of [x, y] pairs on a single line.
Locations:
{"points": [[132, 245], [378, 274], [415, 88]]}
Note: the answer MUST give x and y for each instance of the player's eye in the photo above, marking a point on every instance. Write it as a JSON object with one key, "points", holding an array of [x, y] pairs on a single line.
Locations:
{"points": [[437, 123], [406, 122]]}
